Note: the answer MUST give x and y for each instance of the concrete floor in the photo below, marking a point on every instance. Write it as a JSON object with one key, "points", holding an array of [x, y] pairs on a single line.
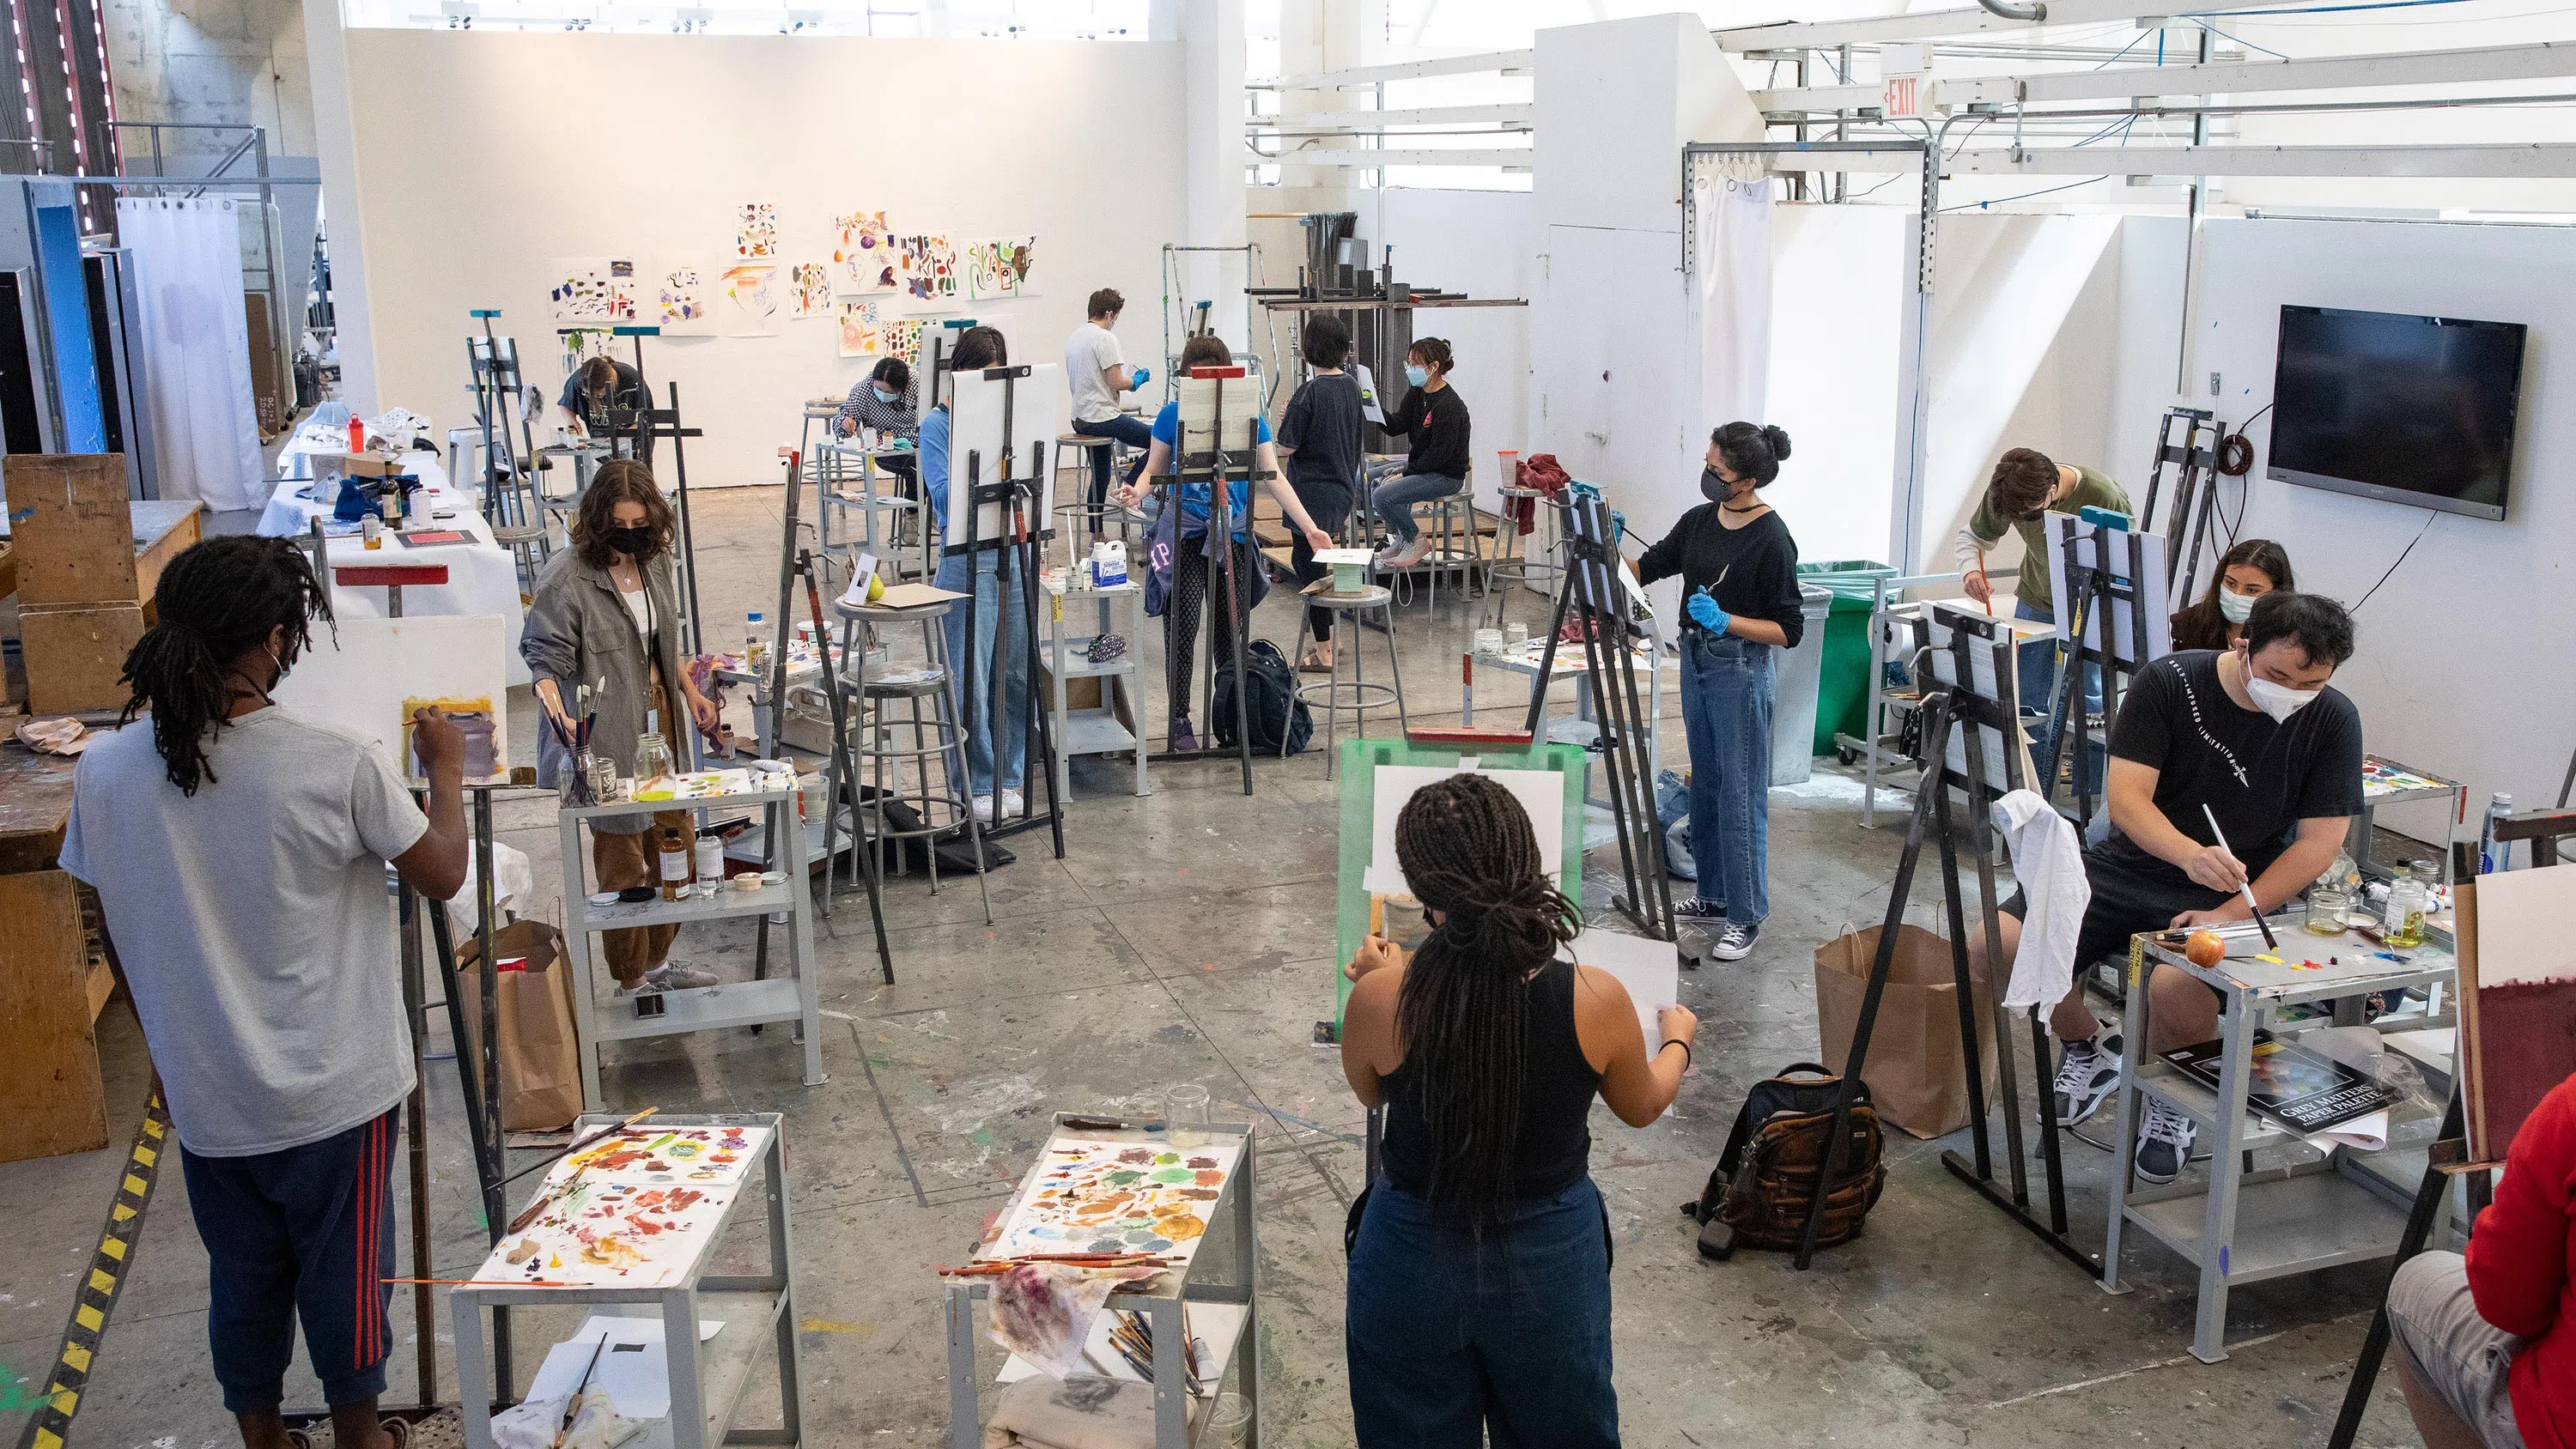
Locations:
{"points": [[1186, 936]]}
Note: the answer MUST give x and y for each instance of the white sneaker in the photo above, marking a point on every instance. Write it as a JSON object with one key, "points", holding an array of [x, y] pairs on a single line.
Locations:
{"points": [[2164, 1142], [674, 976], [1013, 802], [982, 805], [2086, 1073]]}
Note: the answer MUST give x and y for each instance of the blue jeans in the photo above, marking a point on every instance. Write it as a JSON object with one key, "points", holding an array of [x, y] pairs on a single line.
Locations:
{"points": [[1395, 499], [2038, 685], [1453, 1334], [1727, 689], [307, 1233], [1131, 431], [979, 728]]}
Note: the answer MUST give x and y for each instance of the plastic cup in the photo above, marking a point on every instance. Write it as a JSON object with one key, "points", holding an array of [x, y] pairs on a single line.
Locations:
{"points": [[1187, 1102]]}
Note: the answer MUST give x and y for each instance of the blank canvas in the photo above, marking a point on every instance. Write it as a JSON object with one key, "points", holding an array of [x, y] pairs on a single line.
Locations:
{"points": [[975, 426], [1541, 793]]}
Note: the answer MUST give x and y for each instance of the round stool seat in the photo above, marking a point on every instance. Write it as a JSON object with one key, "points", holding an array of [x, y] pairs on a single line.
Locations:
{"points": [[1083, 440], [523, 533], [1511, 490], [1372, 596]]}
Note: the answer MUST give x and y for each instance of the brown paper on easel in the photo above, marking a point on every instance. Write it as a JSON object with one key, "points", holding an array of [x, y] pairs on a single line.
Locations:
{"points": [[1917, 1071], [540, 1046]]}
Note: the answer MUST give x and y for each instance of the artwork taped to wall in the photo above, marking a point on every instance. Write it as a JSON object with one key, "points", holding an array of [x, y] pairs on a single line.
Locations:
{"points": [[902, 339], [592, 289], [809, 290], [1097, 1195], [998, 269], [686, 300], [751, 301], [755, 231], [927, 266], [368, 675], [2517, 998], [863, 258], [862, 327]]}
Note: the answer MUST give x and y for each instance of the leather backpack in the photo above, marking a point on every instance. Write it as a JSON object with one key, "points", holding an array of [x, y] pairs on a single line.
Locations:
{"points": [[1765, 1180]]}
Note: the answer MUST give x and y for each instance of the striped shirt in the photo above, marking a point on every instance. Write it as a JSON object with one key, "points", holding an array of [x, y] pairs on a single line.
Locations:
{"points": [[862, 409]]}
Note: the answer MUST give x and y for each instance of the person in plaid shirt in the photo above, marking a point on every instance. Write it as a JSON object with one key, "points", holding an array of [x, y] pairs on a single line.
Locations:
{"points": [[883, 402]]}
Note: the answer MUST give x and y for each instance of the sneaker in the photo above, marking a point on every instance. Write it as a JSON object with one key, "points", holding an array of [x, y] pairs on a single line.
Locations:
{"points": [[1183, 738], [1695, 909], [675, 976], [2164, 1141], [1735, 942], [2085, 1076], [1405, 555], [1013, 803], [982, 805]]}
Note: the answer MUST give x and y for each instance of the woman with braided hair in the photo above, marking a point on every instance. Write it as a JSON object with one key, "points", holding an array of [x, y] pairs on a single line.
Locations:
{"points": [[1480, 1273]]}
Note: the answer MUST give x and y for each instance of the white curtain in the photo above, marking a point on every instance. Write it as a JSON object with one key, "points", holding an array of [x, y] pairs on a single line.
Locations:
{"points": [[195, 369], [1731, 277]]}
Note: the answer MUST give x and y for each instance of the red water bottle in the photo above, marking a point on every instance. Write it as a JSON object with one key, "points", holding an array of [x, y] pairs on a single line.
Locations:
{"points": [[357, 435]]}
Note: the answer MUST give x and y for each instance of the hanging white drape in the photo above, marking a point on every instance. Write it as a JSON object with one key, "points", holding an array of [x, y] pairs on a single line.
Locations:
{"points": [[1731, 278], [195, 367]]}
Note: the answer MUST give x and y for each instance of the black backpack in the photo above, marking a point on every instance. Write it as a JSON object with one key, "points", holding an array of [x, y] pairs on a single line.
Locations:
{"points": [[1272, 707], [1759, 1194]]}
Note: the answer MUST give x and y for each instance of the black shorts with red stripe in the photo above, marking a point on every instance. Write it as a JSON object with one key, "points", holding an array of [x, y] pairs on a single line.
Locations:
{"points": [[303, 1234]]}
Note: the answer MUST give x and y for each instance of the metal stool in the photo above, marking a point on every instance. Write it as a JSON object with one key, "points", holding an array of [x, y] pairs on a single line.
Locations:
{"points": [[936, 736], [1451, 515], [1074, 453], [1363, 694], [1512, 560]]}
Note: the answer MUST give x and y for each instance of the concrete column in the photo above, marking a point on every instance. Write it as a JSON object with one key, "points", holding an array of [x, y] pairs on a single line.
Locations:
{"points": [[335, 132], [1318, 35], [1212, 112]]}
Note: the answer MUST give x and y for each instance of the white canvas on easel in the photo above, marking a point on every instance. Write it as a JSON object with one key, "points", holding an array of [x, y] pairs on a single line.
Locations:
{"points": [[2145, 576], [1036, 396], [362, 672], [1991, 665], [1541, 793]]}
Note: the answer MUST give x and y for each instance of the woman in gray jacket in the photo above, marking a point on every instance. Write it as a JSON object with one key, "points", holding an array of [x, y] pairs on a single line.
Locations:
{"points": [[607, 615]]}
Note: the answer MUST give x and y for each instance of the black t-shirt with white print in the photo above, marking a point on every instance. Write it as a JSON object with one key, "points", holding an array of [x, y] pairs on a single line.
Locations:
{"points": [[2261, 778]]}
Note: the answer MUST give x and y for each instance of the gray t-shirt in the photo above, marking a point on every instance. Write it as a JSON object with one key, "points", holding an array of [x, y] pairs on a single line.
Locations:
{"points": [[1092, 350], [253, 924]]}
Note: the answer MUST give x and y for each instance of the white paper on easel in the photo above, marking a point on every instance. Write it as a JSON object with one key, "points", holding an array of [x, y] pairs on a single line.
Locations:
{"points": [[365, 673], [2145, 575], [632, 1368], [1650, 969], [976, 427], [1541, 793]]}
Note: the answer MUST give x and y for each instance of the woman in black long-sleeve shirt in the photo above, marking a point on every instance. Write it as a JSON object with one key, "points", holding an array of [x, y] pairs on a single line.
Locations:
{"points": [[1739, 570], [1433, 422]]}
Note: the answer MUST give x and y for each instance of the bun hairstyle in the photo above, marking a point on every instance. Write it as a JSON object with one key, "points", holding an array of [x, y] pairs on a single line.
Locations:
{"points": [[217, 601], [1752, 450], [1432, 352], [1468, 852]]}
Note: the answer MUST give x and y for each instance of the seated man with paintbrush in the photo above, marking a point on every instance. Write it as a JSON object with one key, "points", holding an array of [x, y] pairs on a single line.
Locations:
{"points": [[2214, 751], [239, 852]]}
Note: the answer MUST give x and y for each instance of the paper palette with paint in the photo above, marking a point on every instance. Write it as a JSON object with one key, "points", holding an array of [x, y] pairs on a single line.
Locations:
{"points": [[1096, 1196], [633, 1211]]}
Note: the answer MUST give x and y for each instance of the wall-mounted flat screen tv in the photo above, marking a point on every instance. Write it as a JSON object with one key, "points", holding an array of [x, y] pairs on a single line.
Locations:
{"points": [[2413, 410]]}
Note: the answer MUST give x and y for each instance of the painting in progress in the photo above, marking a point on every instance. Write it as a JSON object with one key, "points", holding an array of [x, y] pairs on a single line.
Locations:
{"points": [[750, 300], [755, 231], [475, 718], [1095, 1196], [809, 290], [683, 299], [928, 268], [998, 269], [2517, 999], [368, 675], [634, 1211], [863, 258], [592, 289]]}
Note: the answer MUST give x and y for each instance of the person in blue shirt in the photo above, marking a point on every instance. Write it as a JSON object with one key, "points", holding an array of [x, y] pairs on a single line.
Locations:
{"points": [[979, 348], [1193, 556]]}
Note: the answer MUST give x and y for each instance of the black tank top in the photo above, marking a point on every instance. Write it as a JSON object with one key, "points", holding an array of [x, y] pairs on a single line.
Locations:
{"points": [[1557, 1087]]}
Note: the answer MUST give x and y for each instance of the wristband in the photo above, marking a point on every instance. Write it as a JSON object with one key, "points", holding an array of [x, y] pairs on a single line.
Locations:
{"points": [[1677, 1042]]}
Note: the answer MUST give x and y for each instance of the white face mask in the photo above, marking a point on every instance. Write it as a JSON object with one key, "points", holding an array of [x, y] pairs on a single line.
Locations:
{"points": [[2235, 607], [2278, 701]]}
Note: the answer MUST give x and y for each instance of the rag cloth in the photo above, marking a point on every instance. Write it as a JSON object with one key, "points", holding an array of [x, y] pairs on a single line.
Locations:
{"points": [[1043, 1311], [2048, 860]]}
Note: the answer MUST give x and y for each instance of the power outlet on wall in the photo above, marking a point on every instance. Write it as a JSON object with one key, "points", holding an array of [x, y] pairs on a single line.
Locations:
{"points": [[2213, 384]]}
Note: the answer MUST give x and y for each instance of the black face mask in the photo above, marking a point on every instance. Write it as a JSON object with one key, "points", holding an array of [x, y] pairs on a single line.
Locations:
{"points": [[638, 544], [1714, 488]]}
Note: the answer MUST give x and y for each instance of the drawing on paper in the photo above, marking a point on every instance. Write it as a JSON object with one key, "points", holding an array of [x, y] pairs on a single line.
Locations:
{"points": [[634, 1211], [1096, 1196], [479, 722], [927, 266], [809, 290], [997, 269], [755, 231], [863, 260], [2517, 999], [592, 289], [684, 298], [750, 300], [862, 328]]}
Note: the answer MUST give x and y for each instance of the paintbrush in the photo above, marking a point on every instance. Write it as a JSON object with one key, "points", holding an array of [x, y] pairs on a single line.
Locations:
{"points": [[2247, 885], [572, 1405], [601, 1135], [483, 1282]]}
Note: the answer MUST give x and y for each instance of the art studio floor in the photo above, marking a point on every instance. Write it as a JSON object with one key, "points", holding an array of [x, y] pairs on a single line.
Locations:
{"points": [[1186, 936]]}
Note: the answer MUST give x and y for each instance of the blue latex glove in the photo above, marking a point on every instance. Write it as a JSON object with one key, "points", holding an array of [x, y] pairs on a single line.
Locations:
{"points": [[1139, 378], [1705, 612]]}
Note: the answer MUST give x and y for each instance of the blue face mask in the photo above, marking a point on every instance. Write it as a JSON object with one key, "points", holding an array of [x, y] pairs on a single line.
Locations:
{"points": [[884, 396], [1416, 375]]}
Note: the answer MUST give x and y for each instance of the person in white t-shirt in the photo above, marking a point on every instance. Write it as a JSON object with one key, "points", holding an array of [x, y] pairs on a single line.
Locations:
{"points": [[1097, 373], [239, 850]]}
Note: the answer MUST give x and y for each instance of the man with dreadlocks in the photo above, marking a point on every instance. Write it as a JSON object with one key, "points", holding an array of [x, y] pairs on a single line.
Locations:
{"points": [[240, 853], [1479, 1297]]}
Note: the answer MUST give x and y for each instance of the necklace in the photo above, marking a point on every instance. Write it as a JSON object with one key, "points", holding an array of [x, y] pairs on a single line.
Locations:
{"points": [[1757, 507]]}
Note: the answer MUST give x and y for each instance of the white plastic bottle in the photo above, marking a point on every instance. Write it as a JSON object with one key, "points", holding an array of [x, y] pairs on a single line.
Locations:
{"points": [[755, 643]]}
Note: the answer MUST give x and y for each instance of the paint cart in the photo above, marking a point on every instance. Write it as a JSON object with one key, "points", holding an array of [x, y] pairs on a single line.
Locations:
{"points": [[671, 1294], [1210, 1299], [2386, 782]]}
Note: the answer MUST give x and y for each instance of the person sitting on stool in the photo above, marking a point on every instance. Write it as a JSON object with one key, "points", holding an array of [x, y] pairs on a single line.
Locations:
{"points": [[602, 387], [2486, 1344], [2253, 734], [1433, 422], [1097, 373], [883, 402], [239, 851]]}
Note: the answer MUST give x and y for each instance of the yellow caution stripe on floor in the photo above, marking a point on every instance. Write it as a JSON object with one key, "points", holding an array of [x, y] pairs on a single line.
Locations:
{"points": [[52, 1424]]}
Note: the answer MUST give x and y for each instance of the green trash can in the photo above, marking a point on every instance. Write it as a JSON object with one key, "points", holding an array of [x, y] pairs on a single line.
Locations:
{"points": [[1842, 690]]}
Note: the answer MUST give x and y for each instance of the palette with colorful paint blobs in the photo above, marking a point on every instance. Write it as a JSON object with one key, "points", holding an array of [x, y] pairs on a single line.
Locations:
{"points": [[1098, 1196]]}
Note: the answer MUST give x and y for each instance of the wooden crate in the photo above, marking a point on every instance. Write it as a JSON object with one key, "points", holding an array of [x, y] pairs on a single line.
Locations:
{"points": [[71, 527], [75, 655], [51, 1097]]}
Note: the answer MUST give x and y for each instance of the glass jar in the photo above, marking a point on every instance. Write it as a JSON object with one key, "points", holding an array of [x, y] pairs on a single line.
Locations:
{"points": [[652, 764], [603, 779], [2332, 898], [2403, 925], [577, 777]]}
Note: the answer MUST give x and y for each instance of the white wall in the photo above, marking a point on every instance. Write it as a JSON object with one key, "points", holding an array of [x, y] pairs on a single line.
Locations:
{"points": [[1839, 297], [589, 145], [2460, 669]]}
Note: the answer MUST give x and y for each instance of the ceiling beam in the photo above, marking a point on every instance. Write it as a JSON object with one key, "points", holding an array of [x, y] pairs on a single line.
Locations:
{"points": [[1936, 24], [1362, 160], [1509, 62], [1521, 114]]}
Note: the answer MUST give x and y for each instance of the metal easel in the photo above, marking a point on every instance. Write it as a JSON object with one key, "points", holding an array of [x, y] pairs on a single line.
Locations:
{"points": [[1991, 721], [1220, 471], [512, 501], [2195, 487], [2098, 593]]}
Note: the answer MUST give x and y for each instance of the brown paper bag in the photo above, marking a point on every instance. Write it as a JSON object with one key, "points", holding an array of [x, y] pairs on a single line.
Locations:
{"points": [[1916, 1071], [540, 1048]]}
